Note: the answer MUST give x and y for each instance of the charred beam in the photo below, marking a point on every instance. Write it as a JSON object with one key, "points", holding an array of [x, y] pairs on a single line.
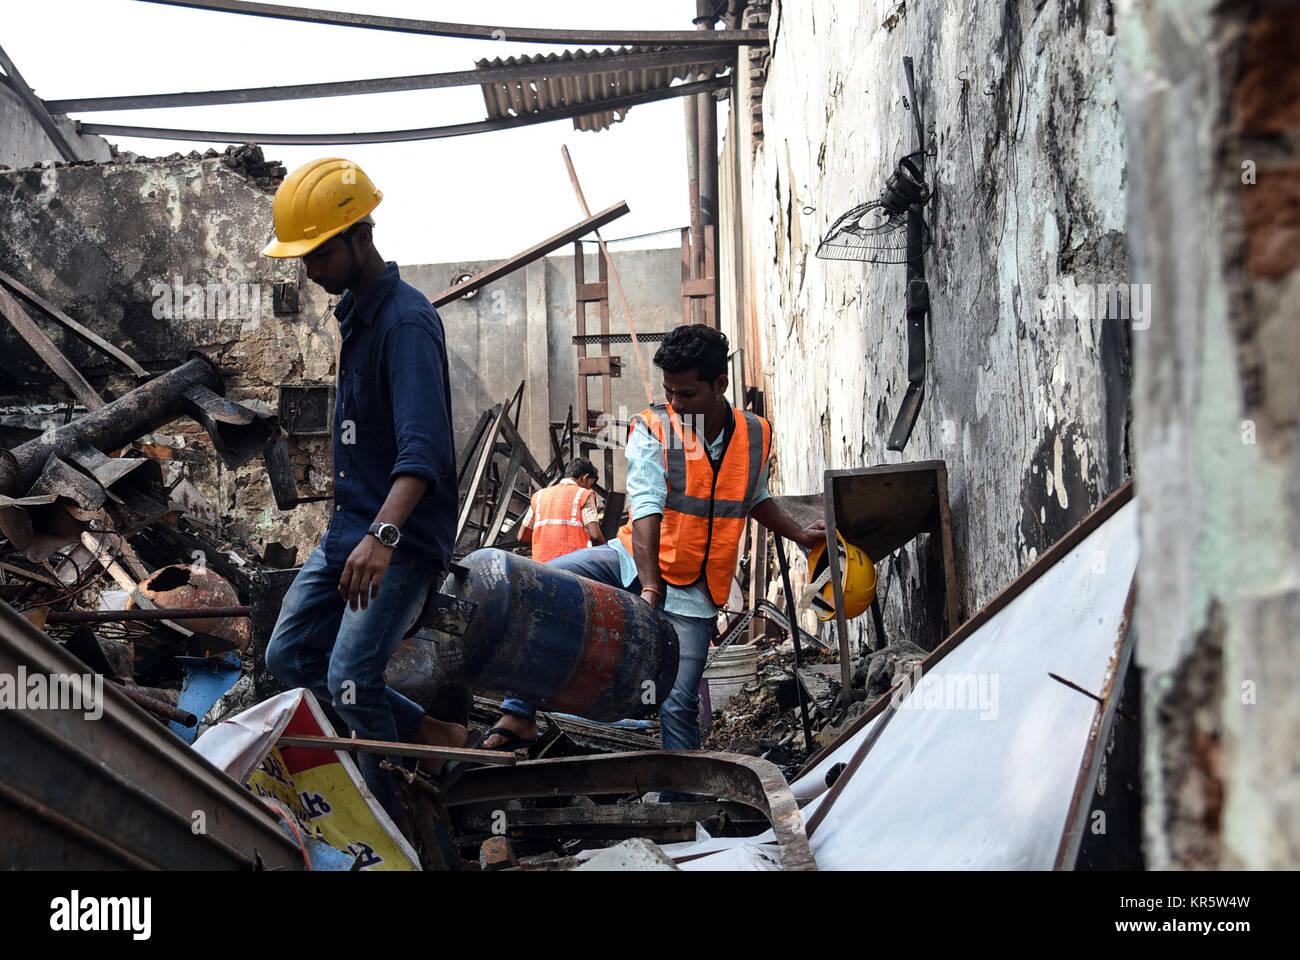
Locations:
{"points": [[193, 388], [90, 336], [157, 613], [54, 359]]}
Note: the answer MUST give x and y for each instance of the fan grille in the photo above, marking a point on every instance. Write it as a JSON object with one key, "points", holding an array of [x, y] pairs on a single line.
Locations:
{"points": [[876, 232], [868, 233]]}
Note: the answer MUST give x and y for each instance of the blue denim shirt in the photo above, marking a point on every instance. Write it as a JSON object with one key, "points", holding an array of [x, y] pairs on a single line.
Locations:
{"points": [[392, 416]]}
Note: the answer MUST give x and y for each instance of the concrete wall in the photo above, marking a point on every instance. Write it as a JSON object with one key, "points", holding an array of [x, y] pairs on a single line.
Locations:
{"points": [[23, 143], [521, 328], [1028, 409], [486, 340], [106, 242], [1214, 128]]}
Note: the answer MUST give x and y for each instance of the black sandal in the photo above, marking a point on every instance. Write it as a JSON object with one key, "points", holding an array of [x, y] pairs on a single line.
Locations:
{"points": [[453, 769], [513, 740]]}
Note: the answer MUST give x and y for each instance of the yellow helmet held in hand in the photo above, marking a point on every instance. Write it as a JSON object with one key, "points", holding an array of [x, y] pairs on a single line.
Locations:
{"points": [[317, 201], [859, 581]]}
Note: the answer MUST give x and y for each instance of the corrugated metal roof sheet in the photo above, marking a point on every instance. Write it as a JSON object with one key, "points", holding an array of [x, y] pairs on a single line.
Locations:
{"points": [[549, 93]]}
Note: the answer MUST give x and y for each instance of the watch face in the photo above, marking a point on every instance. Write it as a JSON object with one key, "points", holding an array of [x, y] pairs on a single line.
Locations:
{"points": [[388, 535]]}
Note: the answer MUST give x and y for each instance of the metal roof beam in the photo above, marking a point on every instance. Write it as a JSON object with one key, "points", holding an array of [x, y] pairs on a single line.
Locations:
{"points": [[474, 31], [345, 88], [499, 270], [401, 136]]}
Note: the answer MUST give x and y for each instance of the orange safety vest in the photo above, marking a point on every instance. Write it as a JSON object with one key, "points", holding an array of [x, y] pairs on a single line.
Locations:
{"points": [[707, 504], [557, 521]]}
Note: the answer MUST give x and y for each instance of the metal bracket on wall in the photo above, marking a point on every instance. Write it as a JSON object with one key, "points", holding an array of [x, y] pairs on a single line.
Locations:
{"points": [[918, 307], [918, 288], [284, 299], [305, 409]]}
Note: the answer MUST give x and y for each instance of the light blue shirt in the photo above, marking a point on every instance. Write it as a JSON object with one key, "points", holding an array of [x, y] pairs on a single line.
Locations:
{"points": [[647, 490]]}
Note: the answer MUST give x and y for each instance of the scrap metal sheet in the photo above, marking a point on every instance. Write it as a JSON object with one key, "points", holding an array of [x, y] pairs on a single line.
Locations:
{"points": [[985, 783], [988, 785]]}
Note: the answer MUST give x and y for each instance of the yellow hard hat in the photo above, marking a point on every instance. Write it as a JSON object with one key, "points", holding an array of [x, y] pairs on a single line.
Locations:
{"points": [[859, 581], [317, 201]]}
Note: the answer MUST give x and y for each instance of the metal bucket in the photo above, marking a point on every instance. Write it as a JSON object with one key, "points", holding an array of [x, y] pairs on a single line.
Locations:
{"points": [[513, 626]]}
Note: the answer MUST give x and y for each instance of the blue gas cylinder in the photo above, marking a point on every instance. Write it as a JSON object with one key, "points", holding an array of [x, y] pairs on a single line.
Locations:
{"points": [[512, 626]]}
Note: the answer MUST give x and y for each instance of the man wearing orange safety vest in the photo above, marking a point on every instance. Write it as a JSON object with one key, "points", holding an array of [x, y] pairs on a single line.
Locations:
{"points": [[697, 468], [562, 518]]}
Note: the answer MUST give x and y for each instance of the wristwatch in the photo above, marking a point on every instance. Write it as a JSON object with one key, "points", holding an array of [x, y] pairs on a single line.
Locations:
{"points": [[387, 533]]}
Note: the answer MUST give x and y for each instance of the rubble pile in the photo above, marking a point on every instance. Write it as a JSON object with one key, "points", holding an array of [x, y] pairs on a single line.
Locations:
{"points": [[105, 543], [763, 719], [89, 603], [248, 160]]}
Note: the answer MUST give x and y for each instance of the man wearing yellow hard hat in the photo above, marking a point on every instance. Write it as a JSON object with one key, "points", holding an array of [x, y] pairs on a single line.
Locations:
{"points": [[394, 518]]}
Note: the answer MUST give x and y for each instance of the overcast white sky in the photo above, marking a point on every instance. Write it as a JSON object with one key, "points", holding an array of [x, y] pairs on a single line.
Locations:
{"points": [[478, 197]]}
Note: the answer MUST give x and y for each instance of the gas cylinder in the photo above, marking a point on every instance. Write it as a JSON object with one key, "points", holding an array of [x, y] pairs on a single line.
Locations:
{"points": [[508, 624]]}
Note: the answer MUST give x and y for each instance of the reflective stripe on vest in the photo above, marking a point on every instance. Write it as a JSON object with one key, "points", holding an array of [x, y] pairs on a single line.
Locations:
{"points": [[705, 509], [557, 521]]}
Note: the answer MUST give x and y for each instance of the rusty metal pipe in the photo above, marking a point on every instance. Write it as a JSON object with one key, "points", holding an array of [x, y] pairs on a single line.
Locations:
{"points": [[161, 708], [691, 108], [157, 613], [706, 113], [114, 425]]}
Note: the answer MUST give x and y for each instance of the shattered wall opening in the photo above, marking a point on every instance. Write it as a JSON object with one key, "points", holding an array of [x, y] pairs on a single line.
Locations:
{"points": [[163, 257]]}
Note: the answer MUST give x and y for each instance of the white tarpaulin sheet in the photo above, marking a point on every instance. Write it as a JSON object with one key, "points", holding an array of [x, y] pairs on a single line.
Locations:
{"points": [[240, 743]]}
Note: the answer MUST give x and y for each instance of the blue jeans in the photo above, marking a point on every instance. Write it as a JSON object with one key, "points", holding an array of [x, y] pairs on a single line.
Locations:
{"points": [[679, 716], [340, 654]]}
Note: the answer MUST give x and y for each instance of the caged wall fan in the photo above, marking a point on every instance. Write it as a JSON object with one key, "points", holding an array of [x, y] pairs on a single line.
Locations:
{"points": [[892, 229], [876, 232]]}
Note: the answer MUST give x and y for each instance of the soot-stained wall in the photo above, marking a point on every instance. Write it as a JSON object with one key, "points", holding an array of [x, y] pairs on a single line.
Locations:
{"points": [[161, 257], [1027, 379]]}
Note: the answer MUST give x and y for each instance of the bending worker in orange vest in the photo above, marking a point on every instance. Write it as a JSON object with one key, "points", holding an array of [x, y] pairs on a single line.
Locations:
{"points": [[562, 518], [696, 469]]}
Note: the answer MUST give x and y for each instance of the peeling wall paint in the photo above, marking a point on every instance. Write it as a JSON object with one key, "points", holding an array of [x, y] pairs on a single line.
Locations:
{"points": [[1215, 426]]}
